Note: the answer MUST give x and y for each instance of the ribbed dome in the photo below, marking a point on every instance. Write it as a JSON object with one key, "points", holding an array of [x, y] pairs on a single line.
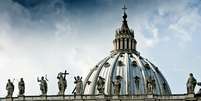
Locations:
{"points": [[130, 67], [136, 74]]}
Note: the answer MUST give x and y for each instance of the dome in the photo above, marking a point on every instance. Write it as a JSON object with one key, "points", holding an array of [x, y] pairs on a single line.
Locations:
{"points": [[134, 71], [137, 75]]}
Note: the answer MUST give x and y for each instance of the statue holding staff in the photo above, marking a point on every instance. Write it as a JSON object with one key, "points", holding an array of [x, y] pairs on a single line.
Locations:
{"points": [[43, 85]]}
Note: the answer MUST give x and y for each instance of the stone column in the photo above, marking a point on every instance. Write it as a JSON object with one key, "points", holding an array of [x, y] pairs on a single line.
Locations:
{"points": [[133, 44], [125, 44], [129, 44], [121, 43], [117, 44]]}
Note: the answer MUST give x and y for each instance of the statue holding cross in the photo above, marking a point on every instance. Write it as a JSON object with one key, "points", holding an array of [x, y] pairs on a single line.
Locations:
{"points": [[62, 83]]}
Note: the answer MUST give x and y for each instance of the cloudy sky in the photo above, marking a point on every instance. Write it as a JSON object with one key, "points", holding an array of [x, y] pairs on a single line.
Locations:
{"points": [[39, 37]]}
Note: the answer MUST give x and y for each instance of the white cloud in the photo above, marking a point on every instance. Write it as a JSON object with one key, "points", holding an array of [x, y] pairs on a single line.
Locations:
{"points": [[148, 42], [186, 26]]}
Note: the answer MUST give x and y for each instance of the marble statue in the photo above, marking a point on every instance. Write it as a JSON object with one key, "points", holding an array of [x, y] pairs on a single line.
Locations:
{"points": [[43, 85], [191, 83], [150, 85], [62, 83], [137, 82], [10, 88], [21, 87], [117, 85], [78, 90], [101, 85], [199, 92]]}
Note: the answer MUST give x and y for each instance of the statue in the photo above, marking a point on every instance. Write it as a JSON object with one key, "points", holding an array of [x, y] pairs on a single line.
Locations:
{"points": [[62, 83], [43, 85], [191, 83], [199, 92], [78, 90], [21, 86], [117, 85], [150, 85], [137, 82], [100, 85], [10, 88]]}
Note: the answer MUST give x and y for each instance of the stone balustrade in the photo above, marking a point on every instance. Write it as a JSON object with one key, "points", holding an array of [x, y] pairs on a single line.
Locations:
{"points": [[177, 97]]}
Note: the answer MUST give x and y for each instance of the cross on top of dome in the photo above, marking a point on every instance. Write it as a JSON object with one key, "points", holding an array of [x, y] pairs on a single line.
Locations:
{"points": [[124, 9], [124, 39]]}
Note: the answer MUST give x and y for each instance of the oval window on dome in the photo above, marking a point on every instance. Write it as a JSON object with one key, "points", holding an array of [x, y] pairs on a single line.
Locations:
{"points": [[134, 63], [147, 66], [120, 63], [121, 55], [131, 55], [106, 64], [157, 70]]}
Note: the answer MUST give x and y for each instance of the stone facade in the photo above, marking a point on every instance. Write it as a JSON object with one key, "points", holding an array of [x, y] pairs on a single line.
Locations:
{"points": [[177, 97]]}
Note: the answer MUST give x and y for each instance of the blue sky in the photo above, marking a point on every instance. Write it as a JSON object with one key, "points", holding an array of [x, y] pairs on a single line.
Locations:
{"points": [[39, 37]]}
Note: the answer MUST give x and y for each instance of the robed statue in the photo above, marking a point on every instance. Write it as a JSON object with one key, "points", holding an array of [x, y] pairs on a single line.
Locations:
{"points": [[78, 90], [199, 92], [62, 83], [117, 85], [21, 87], [150, 85], [101, 85], [191, 83], [43, 85], [10, 88]]}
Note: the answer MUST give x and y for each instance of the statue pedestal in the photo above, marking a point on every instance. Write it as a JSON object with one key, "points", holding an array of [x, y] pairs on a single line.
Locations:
{"points": [[150, 96], [190, 95], [20, 98], [9, 99], [115, 97], [100, 96], [43, 97], [78, 97]]}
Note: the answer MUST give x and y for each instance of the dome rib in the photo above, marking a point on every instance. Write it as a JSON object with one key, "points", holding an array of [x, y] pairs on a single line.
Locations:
{"points": [[112, 73]]}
